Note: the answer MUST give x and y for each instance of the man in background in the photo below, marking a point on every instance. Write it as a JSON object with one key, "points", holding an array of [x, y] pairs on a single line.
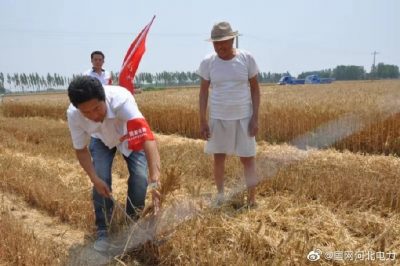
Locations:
{"points": [[97, 71]]}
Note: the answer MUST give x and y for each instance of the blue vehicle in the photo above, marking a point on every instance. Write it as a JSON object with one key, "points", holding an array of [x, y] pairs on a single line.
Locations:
{"points": [[315, 79], [289, 80]]}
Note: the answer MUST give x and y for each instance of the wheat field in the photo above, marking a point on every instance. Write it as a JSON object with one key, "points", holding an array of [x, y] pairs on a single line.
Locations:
{"points": [[340, 199]]}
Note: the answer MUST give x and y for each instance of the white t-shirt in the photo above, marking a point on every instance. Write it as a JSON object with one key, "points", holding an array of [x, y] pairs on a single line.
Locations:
{"points": [[104, 77], [121, 107], [230, 97]]}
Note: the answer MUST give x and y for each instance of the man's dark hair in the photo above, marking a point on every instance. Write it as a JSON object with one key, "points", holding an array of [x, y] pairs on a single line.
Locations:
{"points": [[97, 52], [85, 88]]}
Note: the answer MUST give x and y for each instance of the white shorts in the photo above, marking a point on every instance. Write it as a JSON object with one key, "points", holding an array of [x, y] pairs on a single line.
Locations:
{"points": [[231, 137]]}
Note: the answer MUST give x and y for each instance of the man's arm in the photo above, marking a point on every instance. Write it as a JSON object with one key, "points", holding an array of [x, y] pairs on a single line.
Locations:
{"points": [[203, 100], [255, 98], [153, 160], [85, 161]]}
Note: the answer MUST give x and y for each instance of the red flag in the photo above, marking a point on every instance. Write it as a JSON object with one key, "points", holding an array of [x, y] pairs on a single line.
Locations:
{"points": [[132, 59]]}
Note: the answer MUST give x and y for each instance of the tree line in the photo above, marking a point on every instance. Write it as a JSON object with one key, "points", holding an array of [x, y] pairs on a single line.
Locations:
{"points": [[381, 71], [177, 78], [22, 82]]}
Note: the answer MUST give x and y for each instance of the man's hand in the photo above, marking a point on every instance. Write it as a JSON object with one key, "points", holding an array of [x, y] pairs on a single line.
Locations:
{"points": [[85, 160], [253, 126], [203, 101], [156, 198], [205, 130], [101, 187]]}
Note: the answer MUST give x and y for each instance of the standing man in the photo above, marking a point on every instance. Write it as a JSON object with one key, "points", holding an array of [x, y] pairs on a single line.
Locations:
{"points": [[97, 71], [102, 120], [234, 101]]}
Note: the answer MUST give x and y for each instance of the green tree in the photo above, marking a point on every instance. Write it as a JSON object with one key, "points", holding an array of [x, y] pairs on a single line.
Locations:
{"points": [[49, 80], [387, 71], [348, 72], [37, 81], [149, 78], [9, 80], [16, 80], [2, 89]]}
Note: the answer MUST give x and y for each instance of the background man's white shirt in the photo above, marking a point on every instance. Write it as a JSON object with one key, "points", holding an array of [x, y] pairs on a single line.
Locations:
{"points": [[104, 77]]}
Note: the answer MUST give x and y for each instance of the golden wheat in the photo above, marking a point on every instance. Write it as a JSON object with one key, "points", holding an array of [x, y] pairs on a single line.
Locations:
{"points": [[286, 112]]}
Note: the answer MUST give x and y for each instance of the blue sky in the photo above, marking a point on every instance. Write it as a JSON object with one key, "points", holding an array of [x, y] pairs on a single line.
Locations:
{"points": [[288, 35]]}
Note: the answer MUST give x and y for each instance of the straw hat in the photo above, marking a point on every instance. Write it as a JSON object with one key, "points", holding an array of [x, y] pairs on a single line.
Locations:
{"points": [[222, 31]]}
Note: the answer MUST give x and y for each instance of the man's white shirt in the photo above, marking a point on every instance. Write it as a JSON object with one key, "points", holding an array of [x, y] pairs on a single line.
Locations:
{"points": [[104, 77], [121, 107], [230, 96]]}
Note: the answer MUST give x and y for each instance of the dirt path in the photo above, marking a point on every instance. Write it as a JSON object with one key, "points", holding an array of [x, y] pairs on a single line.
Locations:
{"points": [[43, 226]]}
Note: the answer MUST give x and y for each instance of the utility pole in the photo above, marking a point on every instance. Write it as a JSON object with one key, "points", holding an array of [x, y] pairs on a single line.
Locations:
{"points": [[373, 70], [237, 41]]}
